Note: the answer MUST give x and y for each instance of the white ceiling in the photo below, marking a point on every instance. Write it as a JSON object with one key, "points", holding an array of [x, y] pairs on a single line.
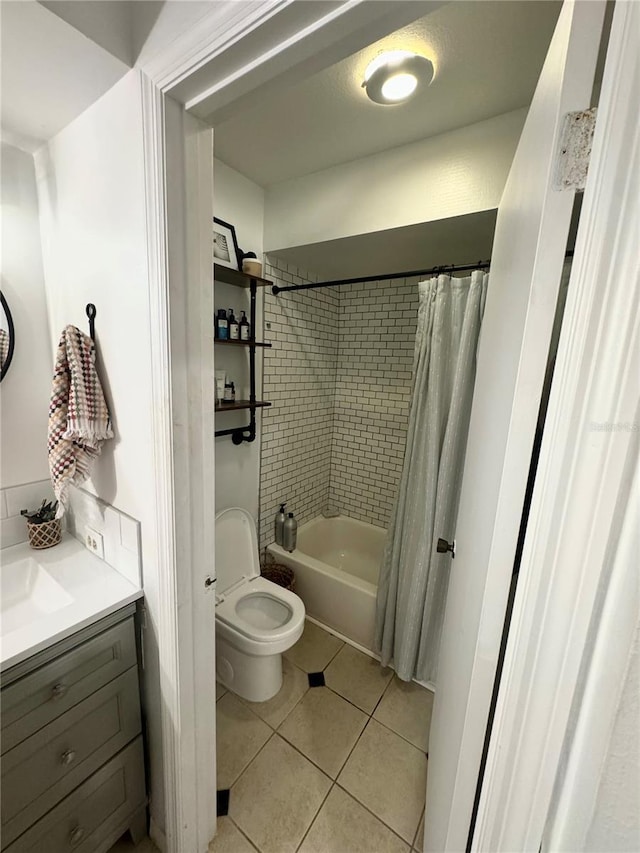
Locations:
{"points": [[487, 54], [457, 240], [50, 72], [59, 56]]}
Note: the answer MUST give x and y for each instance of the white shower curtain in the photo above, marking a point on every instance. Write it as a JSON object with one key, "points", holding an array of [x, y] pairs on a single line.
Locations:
{"points": [[413, 577]]}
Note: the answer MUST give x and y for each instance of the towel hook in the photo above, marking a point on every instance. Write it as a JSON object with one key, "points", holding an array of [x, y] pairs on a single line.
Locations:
{"points": [[91, 314]]}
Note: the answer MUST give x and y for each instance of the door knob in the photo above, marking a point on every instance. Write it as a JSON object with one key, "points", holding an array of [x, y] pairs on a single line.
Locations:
{"points": [[67, 757], [443, 547], [76, 835], [58, 690]]}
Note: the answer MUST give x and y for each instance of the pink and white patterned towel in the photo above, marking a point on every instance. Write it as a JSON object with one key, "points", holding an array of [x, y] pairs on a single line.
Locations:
{"points": [[79, 419]]}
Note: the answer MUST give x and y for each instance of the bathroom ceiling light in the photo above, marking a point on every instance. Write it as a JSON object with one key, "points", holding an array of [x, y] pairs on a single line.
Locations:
{"points": [[393, 77]]}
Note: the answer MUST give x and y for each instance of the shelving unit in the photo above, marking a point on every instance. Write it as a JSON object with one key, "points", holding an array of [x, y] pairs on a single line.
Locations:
{"points": [[251, 343], [240, 279], [240, 404]]}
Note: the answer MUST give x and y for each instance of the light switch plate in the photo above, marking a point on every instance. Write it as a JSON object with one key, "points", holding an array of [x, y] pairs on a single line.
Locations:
{"points": [[94, 542]]}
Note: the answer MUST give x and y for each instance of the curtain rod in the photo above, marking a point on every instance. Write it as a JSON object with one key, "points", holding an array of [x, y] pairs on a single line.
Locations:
{"points": [[481, 265]]}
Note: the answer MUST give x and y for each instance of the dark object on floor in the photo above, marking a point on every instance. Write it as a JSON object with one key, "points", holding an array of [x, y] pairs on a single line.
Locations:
{"points": [[222, 807], [282, 575], [316, 679]]}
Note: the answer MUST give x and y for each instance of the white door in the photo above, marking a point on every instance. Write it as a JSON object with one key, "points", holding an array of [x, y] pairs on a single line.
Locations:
{"points": [[530, 241]]}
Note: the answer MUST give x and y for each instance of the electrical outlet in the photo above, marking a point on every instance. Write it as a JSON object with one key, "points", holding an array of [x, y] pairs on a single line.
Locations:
{"points": [[94, 542]]}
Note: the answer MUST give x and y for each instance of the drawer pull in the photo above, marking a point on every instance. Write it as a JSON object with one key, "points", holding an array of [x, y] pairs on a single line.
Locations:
{"points": [[58, 691], [76, 835], [67, 757]]}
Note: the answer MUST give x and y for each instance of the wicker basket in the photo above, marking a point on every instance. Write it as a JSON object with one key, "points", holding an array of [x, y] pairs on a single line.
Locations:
{"points": [[282, 575], [44, 535]]}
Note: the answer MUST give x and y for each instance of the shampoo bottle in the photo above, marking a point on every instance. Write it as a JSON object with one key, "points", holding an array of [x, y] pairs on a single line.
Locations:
{"points": [[245, 328], [290, 533], [234, 327], [222, 325], [279, 528]]}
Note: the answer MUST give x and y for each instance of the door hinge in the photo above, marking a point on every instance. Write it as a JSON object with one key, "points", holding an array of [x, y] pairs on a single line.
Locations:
{"points": [[574, 150]]}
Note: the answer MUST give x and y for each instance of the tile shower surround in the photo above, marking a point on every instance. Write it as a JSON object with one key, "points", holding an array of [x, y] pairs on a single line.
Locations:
{"points": [[339, 377], [299, 381]]}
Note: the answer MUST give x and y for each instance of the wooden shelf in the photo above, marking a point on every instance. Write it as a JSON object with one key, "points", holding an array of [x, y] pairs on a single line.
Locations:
{"points": [[242, 343], [237, 278], [240, 404]]}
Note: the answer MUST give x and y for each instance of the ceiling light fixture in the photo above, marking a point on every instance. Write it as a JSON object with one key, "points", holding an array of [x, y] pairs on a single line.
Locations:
{"points": [[393, 77]]}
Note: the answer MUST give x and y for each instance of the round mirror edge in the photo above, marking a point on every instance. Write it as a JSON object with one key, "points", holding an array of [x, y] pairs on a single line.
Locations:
{"points": [[12, 337]]}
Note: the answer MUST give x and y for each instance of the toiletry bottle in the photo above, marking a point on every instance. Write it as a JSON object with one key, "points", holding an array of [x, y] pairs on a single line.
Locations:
{"points": [[228, 392], [279, 527], [222, 325], [234, 328], [245, 328], [290, 533], [233, 392], [221, 381]]}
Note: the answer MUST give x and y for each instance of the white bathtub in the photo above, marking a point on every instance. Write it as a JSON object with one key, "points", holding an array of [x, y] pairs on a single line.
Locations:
{"points": [[336, 563]]}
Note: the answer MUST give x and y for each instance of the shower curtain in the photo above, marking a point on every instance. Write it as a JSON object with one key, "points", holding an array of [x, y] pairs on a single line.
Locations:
{"points": [[414, 578]]}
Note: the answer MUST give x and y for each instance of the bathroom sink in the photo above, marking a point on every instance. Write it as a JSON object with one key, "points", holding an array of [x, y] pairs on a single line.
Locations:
{"points": [[27, 593], [46, 596]]}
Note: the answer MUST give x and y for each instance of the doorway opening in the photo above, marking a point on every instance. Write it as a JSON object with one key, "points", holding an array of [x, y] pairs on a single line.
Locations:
{"points": [[289, 207]]}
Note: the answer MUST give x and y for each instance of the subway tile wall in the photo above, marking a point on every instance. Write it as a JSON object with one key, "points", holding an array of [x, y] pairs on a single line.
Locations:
{"points": [[339, 376], [299, 380], [120, 532], [13, 527], [377, 329]]}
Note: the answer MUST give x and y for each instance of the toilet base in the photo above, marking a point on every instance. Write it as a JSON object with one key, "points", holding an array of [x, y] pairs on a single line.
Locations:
{"points": [[253, 678]]}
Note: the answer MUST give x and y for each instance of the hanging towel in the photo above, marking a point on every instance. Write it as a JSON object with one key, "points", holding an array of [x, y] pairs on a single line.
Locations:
{"points": [[79, 420], [4, 347]]}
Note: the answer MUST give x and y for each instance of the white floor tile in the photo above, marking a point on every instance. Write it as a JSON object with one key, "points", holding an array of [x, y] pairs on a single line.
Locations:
{"points": [[315, 649], [294, 685], [387, 775], [357, 677], [277, 797], [418, 841], [406, 709], [240, 736], [325, 728], [344, 826], [229, 839]]}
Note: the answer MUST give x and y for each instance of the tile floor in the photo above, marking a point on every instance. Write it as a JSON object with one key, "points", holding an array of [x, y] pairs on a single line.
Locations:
{"points": [[339, 767]]}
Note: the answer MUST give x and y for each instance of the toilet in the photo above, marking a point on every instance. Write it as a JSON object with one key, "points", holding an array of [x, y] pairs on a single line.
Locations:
{"points": [[256, 620]]}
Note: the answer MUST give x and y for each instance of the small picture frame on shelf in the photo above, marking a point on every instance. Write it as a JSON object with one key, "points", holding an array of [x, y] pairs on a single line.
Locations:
{"points": [[225, 245]]}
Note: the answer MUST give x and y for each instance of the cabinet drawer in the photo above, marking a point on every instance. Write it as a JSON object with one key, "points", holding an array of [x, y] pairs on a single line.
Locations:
{"points": [[40, 697], [43, 769], [98, 807]]}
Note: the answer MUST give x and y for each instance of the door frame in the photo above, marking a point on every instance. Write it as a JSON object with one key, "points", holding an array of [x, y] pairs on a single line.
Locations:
{"points": [[186, 684], [583, 481], [176, 167]]}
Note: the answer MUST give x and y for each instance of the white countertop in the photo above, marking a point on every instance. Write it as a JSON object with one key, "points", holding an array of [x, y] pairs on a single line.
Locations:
{"points": [[50, 594]]}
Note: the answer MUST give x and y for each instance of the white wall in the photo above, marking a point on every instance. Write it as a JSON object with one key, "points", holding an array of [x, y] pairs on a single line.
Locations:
{"points": [[239, 201], [25, 390], [92, 207], [456, 173]]}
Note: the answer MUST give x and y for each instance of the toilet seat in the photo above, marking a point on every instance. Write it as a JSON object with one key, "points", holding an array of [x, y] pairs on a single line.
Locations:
{"points": [[256, 615], [256, 620], [230, 611]]}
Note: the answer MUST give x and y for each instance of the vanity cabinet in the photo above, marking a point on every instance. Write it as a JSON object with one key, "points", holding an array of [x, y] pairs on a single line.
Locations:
{"points": [[72, 754]]}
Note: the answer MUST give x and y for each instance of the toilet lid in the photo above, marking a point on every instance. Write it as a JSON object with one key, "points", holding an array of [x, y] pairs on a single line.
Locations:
{"points": [[236, 548]]}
